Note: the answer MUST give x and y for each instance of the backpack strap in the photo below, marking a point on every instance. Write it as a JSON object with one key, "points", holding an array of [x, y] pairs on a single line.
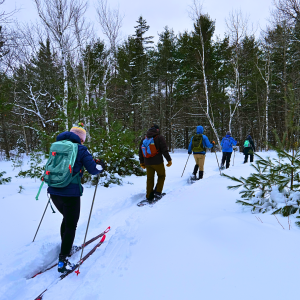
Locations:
{"points": [[77, 180]]}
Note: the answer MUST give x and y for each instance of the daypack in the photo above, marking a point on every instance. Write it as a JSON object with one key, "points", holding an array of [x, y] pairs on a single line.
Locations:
{"points": [[59, 167], [247, 144], [197, 143], [148, 147], [226, 143]]}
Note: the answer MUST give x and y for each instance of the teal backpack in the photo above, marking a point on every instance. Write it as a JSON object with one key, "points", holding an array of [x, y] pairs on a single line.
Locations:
{"points": [[59, 167], [247, 144]]}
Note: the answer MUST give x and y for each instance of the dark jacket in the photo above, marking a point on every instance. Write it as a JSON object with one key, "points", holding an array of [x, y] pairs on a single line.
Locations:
{"points": [[205, 141], [161, 146], [84, 158], [251, 149]]}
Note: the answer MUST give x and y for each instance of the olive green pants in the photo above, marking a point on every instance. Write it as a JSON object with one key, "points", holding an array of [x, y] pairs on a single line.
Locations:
{"points": [[161, 175], [200, 159]]}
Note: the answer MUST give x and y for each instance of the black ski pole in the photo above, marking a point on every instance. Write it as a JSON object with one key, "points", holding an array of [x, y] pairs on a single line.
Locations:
{"points": [[41, 220], [218, 161], [185, 164], [88, 224]]}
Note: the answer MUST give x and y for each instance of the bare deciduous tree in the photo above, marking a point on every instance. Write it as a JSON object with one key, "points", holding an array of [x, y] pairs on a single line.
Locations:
{"points": [[196, 13], [110, 22], [58, 18], [288, 9], [237, 31], [265, 74]]}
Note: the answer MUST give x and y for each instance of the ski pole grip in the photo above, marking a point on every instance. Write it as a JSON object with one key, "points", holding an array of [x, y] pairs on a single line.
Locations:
{"points": [[107, 229]]}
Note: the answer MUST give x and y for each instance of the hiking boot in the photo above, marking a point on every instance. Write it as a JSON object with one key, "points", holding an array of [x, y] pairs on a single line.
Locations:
{"points": [[151, 196], [64, 265], [195, 170], [201, 174]]}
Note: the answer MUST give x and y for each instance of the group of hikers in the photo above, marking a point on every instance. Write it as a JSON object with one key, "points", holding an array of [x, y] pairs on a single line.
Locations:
{"points": [[152, 149]]}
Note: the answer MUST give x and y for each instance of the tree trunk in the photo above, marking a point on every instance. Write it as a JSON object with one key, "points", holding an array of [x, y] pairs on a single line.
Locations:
{"points": [[5, 137]]}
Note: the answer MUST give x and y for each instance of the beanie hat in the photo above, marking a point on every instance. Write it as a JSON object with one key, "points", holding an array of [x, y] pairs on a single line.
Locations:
{"points": [[79, 130], [228, 133], [155, 126]]}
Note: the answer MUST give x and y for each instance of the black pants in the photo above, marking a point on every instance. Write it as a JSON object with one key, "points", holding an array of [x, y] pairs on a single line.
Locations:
{"points": [[69, 207], [246, 157], [226, 157]]}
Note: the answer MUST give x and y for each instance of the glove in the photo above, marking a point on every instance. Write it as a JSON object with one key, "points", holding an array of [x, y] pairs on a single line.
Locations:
{"points": [[189, 152], [143, 166], [169, 164], [213, 142], [101, 163]]}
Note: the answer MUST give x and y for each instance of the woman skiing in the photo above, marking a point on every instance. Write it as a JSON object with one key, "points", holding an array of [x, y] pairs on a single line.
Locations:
{"points": [[67, 199]]}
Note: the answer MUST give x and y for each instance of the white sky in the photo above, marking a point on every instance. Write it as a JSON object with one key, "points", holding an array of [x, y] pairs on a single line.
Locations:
{"points": [[161, 13]]}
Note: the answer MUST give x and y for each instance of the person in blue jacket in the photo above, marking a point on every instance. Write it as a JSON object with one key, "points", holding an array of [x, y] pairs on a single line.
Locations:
{"points": [[227, 142], [197, 145], [67, 199]]}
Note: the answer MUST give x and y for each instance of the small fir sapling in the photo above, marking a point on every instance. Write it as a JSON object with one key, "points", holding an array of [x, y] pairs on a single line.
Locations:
{"points": [[119, 152], [275, 185], [21, 188], [36, 167], [4, 180], [17, 161]]}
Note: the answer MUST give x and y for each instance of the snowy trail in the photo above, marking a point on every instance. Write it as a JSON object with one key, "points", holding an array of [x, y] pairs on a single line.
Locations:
{"points": [[195, 242]]}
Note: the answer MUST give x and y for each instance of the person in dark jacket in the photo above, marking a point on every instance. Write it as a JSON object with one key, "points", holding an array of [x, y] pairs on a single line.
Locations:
{"points": [[199, 155], [227, 142], [67, 199], [155, 163], [249, 148]]}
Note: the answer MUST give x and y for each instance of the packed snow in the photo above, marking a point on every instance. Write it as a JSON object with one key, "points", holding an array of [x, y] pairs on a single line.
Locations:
{"points": [[195, 243]]}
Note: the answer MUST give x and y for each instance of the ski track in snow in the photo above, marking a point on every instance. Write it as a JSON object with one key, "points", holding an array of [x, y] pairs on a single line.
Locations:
{"points": [[195, 242]]}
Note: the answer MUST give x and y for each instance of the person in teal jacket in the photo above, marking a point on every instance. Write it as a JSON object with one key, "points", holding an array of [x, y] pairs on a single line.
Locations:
{"points": [[227, 142], [197, 145]]}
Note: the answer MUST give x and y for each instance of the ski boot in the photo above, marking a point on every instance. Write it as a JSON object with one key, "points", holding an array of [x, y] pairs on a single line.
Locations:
{"points": [[64, 265], [222, 167]]}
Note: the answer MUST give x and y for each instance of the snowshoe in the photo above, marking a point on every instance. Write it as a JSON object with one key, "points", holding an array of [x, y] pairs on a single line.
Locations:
{"points": [[157, 196], [64, 265], [192, 179]]}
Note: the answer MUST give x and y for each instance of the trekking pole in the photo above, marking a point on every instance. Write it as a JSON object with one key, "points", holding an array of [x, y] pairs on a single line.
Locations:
{"points": [[233, 157], [41, 220], [218, 162], [185, 164], [87, 227]]}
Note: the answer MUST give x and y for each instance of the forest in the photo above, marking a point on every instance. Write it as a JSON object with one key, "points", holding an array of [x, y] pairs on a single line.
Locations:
{"points": [[58, 72]]}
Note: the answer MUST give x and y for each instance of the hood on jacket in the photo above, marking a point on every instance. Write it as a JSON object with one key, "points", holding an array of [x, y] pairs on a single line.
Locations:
{"points": [[199, 129], [228, 135], [249, 137], [67, 135]]}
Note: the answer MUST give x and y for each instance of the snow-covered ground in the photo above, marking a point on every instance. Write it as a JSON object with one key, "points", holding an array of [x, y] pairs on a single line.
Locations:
{"points": [[196, 243]]}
